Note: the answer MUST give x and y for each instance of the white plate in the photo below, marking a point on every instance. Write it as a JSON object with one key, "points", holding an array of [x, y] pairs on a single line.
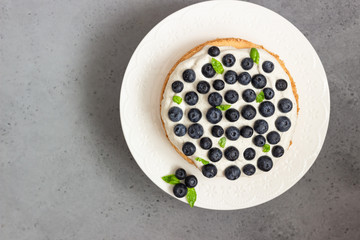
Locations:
{"points": [[180, 32]]}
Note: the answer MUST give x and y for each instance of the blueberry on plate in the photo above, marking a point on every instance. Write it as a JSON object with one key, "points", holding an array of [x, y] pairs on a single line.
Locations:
{"points": [[259, 140], [258, 81], [214, 115], [175, 114], [208, 71], [217, 131], [191, 98], [214, 51], [232, 133], [214, 154], [215, 99], [268, 66], [203, 87], [194, 115], [232, 115], [180, 190], [277, 151], [231, 153], [247, 63], [180, 130], [209, 170], [205, 143], [249, 95], [188, 148], [282, 124], [269, 93], [189, 75], [230, 77], [228, 60], [177, 86], [249, 169], [266, 109], [281, 84], [261, 126], [180, 173], [273, 137], [264, 163], [195, 131], [191, 181], [249, 154], [246, 131], [285, 105], [244, 78], [218, 84], [232, 172], [231, 96], [248, 112]]}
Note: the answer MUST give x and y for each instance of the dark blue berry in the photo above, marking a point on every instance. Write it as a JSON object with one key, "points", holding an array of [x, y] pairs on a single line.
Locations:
{"points": [[261, 126], [231, 96], [259, 140], [208, 71], [244, 78], [249, 169], [205, 143], [191, 181], [285, 105], [247, 63], [209, 170], [177, 86], [246, 131], [282, 124], [269, 93], [266, 109], [232, 172], [214, 154], [194, 115], [230, 77], [249, 95], [232, 115], [180, 130], [175, 114], [214, 51], [268, 66], [228, 60], [264, 163], [248, 112], [203, 87], [189, 75], [214, 115], [218, 84], [180, 173], [258, 81], [281, 84], [277, 151], [231, 153], [215, 99], [191, 98], [217, 131], [195, 131], [273, 137], [188, 148], [232, 133], [180, 190], [249, 154]]}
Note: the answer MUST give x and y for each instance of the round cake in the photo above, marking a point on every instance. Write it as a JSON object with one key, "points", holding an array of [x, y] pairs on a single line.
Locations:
{"points": [[230, 107]]}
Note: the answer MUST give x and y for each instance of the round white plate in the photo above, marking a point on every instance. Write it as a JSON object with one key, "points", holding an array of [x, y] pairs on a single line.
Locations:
{"points": [[180, 32]]}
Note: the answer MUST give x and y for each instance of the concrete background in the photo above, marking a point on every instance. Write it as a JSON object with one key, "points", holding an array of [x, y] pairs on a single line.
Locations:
{"points": [[65, 169]]}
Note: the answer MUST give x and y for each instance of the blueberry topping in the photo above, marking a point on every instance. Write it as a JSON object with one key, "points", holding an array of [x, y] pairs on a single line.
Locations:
{"points": [[228, 60], [249, 169], [189, 75], [266, 109], [191, 181], [246, 131], [214, 154], [218, 84], [214, 115], [180, 173], [273, 137], [232, 133], [180, 190], [180, 130], [231, 153], [277, 151], [281, 84], [282, 123], [248, 112], [194, 115], [247, 63], [217, 131], [205, 143], [285, 105], [249, 154], [177, 86], [244, 78], [203, 87], [258, 81], [261, 126], [188, 148], [269, 93], [215, 99], [208, 70], [232, 115], [209, 170], [231, 96], [175, 114], [268, 66], [259, 140], [191, 98], [264, 163], [249, 95], [214, 51], [196, 131], [230, 77], [232, 172]]}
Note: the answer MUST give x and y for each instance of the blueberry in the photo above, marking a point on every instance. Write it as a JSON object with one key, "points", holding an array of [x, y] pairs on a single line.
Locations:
{"points": [[277, 151], [281, 84], [191, 181], [282, 123], [259, 140], [214, 51], [180, 190], [205, 143], [180, 130], [214, 154], [247, 63], [268, 66], [228, 60], [230, 77], [218, 84], [191, 98], [215, 99], [269, 93], [232, 172], [209, 170], [175, 114], [258, 81], [232, 115], [231, 96], [232, 133], [188, 148], [214, 115], [261, 126], [208, 70], [246, 131], [195, 131], [177, 86], [264, 163], [266, 109], [194, 115], [180, 173], [189, 75], [248, 112], [203, 87], [273, 137], [217, 131], [249, 169], [285, 105], [244, 78], [249, 154], [249, 95], [231, 153]]}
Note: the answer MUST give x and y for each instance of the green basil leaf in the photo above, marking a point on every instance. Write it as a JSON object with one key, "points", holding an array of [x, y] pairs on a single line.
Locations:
{"points": [[177, 99], [171, 179], [191, 196], [255, 56], [266, 148], [217, 66], [202, 160], [222, 142], [260, 97], [223, 107]]}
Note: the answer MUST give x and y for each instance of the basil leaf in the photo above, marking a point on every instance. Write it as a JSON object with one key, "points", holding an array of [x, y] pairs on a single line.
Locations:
{"points": [[223, 107], [217, 66], [177, 99], [260, 97], [191, 196], [266, 148], [222, 142], [202, 160], [255, 56], [171, 179]]}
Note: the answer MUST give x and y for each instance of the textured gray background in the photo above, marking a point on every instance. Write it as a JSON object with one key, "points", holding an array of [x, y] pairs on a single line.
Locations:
{"points": [[65, 169]]}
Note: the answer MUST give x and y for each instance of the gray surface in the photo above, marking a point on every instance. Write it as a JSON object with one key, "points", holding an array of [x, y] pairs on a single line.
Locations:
{"points": [[65, 169]]}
